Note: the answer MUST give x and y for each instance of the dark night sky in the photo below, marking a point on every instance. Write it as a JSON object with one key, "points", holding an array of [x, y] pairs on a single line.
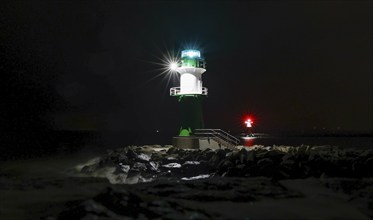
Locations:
{"points": [[88, 65]]}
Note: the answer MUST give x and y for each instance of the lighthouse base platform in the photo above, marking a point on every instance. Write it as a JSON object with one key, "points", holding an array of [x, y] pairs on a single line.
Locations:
{"points": [[188, 142], [192, 142]]}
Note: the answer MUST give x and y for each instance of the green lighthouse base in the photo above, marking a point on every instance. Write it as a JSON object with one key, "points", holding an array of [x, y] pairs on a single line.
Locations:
{"points": [[191, 114], [191, 118]]}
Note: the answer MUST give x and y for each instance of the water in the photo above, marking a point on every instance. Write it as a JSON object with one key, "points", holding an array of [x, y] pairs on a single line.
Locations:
{"points": [[344, 142]]}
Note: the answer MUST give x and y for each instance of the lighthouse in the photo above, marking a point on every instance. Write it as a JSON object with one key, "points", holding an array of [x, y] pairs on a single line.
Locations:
{"points": [[190, 94]]}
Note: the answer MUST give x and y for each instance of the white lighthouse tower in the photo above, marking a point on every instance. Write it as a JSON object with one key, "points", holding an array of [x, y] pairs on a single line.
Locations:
{"points": [[190, 92], [191, 68]]}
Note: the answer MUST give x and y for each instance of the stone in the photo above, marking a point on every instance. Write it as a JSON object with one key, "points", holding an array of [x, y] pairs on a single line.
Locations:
{"points": [[265, 162], [139, 167], [154, 166], [275, 155], [266, 167], [89, 169], [173, 150], [237, 171], [172, 165], [143, 157], [215, 159], [224, 166]]}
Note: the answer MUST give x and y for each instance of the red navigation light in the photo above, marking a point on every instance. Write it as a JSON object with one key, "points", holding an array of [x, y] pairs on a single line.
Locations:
{"points": [[249, 123]]}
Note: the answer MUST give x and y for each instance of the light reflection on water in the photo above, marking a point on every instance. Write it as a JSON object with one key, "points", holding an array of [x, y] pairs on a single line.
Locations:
{"points": [[249, 141]]}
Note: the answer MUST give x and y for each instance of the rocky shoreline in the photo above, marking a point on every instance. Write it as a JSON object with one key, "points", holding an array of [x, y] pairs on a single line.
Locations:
{"points": [[148, 163], [175, 183], [163, 182]]}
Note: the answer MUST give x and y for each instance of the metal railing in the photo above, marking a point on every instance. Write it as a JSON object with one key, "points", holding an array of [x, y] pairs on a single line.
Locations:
{"points": [[219, 135], [176, 91], [204, 91]]}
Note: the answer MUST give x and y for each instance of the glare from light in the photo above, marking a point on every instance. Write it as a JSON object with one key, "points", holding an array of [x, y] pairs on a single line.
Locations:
{"points": [[249, 123], [163, 68], [190, 53], [173, 66]]}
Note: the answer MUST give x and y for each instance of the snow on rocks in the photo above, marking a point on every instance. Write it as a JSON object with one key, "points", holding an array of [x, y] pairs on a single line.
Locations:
{"points": [[248, 175], [172, 165], [191, 162], [143, 157], [203, 176], [280, 162]]}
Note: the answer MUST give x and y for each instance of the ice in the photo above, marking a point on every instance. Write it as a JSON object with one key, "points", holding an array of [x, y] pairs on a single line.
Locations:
{"points": [[172, 165], [203, 176], [192, 162]]}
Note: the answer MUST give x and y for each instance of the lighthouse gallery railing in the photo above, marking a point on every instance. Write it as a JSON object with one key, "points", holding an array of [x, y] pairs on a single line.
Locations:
{"points": [[176, 91]]}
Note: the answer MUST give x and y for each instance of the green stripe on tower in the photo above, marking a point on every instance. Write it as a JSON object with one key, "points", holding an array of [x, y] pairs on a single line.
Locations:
{"points": [[191, 114]]}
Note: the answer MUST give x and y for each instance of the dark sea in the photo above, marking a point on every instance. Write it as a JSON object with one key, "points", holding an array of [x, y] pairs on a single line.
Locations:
{"points": [[362, 142], [344, 142], [33, 144]]}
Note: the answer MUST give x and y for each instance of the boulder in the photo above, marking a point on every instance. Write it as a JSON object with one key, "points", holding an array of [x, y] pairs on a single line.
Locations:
{"points": [[266, 167]]}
